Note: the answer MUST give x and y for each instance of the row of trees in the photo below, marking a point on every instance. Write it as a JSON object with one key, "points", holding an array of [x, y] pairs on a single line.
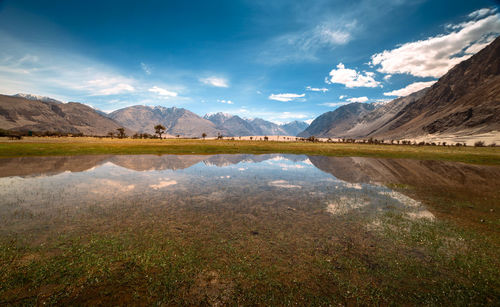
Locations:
{"points": [[160, 130]]}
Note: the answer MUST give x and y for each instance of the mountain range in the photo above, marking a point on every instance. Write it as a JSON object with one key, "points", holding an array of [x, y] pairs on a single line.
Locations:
{"points": [[27, 112], [465, 101], [233, 125], [177, 121]]}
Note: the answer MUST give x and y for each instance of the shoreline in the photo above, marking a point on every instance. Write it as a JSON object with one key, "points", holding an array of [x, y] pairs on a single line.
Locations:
{"points": [[63, 146]]}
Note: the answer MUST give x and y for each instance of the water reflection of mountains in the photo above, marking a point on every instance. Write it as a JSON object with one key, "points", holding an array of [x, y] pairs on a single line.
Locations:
{"points": [[36, 166], [350, 169]]}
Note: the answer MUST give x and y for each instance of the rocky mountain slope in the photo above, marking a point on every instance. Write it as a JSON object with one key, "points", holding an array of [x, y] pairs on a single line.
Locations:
{"points": [[264, 127], [295, 127], [28, 114], [336, 123], [37, 97], [233, 125], [466, 100], [376, 120], [230, 125], [177, 121]]}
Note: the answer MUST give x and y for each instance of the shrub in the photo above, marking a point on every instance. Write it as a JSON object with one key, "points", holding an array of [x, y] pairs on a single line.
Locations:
{"points": [[479, 144]]}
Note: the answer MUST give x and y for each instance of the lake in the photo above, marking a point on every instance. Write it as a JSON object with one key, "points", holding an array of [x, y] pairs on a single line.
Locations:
{"points": [[247, 229]]}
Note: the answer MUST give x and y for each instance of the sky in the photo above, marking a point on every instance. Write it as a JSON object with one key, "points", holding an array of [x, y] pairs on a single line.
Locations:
{"points": [[280, 60]]}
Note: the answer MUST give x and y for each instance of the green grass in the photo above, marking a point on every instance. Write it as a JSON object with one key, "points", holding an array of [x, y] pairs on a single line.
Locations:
{"points": [[89, 146], [405, 263]]}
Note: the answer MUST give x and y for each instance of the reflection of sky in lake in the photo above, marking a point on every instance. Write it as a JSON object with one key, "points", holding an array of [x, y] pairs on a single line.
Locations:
{"points": [[236, 180]]}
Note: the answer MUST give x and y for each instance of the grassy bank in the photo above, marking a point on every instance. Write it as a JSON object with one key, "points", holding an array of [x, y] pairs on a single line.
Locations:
{"points": [[40, 146]]}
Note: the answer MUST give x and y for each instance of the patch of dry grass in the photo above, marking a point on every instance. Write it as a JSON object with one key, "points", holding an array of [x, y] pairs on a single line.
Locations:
{"points": [[44, 146]]}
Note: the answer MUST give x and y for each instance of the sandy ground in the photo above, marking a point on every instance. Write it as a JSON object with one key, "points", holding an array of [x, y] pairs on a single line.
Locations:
{"points": [[450, 139], [487, 138], [280, 138], [469, 139]]}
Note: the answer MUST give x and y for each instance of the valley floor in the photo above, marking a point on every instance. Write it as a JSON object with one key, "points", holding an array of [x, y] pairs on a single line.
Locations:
{"points": [[45, 146]]}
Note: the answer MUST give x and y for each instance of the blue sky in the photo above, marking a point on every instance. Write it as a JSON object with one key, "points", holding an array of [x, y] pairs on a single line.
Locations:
{"points": [[278, 60]]}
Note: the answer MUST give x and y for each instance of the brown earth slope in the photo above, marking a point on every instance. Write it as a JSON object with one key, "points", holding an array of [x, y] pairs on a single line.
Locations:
{"points": [[20, 114], [376, 120], [177, 121], [336, 123], [466, 100]]}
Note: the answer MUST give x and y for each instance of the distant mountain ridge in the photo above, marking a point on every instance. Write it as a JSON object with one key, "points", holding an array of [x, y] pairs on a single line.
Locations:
{"points": [[177, 121], [28, 112], [37, 97], [230, 125], [295, 127], [233, 125]]}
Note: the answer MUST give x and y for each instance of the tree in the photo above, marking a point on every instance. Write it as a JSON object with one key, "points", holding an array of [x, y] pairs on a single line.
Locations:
{"points": [[159, 129], [203, 135], [111, 134], [121, 133]]}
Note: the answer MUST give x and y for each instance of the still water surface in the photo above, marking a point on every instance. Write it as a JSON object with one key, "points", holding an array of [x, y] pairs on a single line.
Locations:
{"points": [[341, 186], [300, 216]]}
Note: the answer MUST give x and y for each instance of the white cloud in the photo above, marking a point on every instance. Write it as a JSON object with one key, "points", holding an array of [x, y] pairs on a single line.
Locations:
{"points": [[434, 56], [334, 104], [328, 34], [342, 96], [351, 78], [358, 99], [482, 12], [316, 89], [287, 115], [285, 97], [215, 81], [283, 184], [412, 88], [304, 45], [224, 101], [109, 86], [275, 117], [146, 68], [55, 73], [162, 92], [163, 184], [387, 77]]}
